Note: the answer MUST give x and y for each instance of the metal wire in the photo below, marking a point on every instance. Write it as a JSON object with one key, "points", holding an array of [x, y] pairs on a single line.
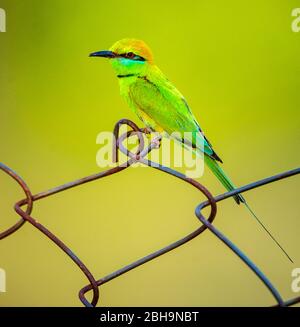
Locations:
{"points": [[139, 156]]}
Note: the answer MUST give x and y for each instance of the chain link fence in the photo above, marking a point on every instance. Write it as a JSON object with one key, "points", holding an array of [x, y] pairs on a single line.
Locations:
{"points": [[24, 208]]}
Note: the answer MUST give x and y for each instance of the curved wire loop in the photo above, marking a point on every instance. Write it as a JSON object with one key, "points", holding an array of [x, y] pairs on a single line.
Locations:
{"points": [[28, 194]]}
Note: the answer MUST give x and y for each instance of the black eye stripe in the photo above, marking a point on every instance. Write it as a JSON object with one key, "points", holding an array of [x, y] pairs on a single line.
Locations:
{"points": [[132, 56]]}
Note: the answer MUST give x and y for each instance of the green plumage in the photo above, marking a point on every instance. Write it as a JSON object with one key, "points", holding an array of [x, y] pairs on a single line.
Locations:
{"points": [[220, 174], [162, 108]]}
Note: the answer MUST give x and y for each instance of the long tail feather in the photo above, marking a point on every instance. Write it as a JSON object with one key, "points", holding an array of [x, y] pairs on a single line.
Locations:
{"points": [[268, 232], [220, 174]]}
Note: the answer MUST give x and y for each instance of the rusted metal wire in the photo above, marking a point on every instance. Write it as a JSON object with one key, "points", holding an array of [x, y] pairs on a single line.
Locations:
{"points": [[140, 156], [28, 194]]}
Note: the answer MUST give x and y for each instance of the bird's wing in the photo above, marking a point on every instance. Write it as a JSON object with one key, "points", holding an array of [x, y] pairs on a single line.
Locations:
{"points": [[167, 108]]}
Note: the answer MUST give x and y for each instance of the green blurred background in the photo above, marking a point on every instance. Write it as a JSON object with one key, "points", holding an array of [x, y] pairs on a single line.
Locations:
{"points": [[238, 66]]}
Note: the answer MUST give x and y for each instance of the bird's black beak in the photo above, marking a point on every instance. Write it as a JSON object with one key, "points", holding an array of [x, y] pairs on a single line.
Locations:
{"points": [[104, 54]]}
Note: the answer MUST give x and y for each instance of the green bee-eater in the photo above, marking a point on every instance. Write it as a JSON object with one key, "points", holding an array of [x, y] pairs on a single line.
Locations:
{"points": [[158, 103]]}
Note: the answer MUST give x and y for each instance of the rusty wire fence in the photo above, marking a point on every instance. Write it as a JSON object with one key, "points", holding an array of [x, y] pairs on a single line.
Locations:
{"points": [[24, 208]]}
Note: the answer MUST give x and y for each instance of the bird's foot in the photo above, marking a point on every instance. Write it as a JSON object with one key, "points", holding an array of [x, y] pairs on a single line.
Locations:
{"points": [[156, 142], [146, 130]]}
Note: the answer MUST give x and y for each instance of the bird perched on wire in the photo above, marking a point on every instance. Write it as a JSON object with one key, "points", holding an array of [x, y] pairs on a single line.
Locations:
{"points": [[160, 106]]}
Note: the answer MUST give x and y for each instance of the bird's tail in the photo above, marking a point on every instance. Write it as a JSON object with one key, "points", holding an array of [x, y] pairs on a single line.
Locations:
{"points": [[224, 179], [267, 231]]}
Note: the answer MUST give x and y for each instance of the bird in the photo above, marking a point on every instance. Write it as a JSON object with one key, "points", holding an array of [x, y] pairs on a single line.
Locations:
{"points": [[161, 107]]}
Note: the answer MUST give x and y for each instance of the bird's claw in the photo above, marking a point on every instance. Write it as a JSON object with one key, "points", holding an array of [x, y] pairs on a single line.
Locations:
{"points": [[156, 142], [146, 130]]}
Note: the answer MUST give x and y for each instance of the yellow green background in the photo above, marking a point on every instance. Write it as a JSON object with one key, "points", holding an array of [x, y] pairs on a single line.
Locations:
{"points": [[236, 62]]}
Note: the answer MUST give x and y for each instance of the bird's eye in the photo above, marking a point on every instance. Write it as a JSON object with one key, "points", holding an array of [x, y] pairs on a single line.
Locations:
{"points": [[130, 55]]}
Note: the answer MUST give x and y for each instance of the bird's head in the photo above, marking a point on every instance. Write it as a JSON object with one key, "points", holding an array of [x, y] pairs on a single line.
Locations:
{"points": [[128, 56]]}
